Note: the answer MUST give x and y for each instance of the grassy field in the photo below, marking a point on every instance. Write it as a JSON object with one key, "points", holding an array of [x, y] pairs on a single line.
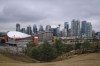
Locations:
{"points": [[92, 59]]}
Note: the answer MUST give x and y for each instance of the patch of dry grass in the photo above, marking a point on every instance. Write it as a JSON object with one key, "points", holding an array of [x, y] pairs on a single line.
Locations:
{"points": [[92, 59], [11, 57]]}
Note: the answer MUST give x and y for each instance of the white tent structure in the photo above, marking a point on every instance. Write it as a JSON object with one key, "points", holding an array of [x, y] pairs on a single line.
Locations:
{"points": [[17, 35]]}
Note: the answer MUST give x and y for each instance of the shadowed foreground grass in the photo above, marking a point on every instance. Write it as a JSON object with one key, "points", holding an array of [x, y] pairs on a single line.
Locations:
{"points": [[92, 59]]}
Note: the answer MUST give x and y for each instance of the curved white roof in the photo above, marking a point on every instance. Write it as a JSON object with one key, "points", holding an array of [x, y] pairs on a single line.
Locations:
{"points": [[18, 35]]}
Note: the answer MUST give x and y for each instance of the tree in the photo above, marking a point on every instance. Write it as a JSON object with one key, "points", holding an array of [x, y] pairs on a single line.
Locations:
{"points": [[85, 46], [59, 46], [62, 48], [30, 45], [44, 52], [77, 46]]}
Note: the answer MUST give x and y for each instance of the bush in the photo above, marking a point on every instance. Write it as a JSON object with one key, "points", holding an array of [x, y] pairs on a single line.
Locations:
{"points": [[77, 46], [44, 52], [85, 46], [62, 48], [30, 45]]}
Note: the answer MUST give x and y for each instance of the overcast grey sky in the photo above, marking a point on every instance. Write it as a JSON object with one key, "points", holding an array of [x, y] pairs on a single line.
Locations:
{"points": [[53, 12]]}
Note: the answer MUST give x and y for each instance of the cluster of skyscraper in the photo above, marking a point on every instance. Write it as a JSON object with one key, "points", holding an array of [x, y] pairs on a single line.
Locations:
{"points": [[35, 30], [79, 29]]}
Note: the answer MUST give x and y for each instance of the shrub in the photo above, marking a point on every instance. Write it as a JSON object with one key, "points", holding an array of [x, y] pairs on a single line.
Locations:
{"points": [[30, 45], [44, 52], [62, 48], [77, 46], [85, 46]]}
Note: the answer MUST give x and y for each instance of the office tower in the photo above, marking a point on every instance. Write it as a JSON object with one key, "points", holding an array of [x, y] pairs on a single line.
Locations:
{"points": [[54, 31], [98, 35], [35, 29], [83, 28], [41, 29], [18, 27], [75, 28], [86, 29], [93, 34], [89, 30], [66, 28], [48, 28], [23, 30], [69, 32], [58, 31], [66, 25], [29, 30], [64, 33]]}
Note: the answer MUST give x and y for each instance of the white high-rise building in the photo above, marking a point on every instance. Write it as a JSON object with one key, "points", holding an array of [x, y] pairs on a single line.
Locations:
{"points": [[75, 28]]}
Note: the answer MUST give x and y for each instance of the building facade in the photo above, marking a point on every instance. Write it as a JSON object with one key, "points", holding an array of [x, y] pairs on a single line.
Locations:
{"points": [[18, 27], [35, 29], [29, 30], [48, 28], [41, 29], [86, 30], [75, 28], [23, 30], [66, 28], [89, 30]]}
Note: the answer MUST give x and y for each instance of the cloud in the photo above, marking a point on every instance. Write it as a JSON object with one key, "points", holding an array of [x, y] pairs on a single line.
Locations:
{"points": [[52, 12], [13, 12]]}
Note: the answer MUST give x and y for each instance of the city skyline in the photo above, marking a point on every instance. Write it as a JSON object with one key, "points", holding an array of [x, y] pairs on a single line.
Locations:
{"points": [[79, 29], [65, 25], [47, 12]]}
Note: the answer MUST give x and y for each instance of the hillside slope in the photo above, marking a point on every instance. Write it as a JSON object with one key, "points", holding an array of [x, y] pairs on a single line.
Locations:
{"points": [[92, 59]]}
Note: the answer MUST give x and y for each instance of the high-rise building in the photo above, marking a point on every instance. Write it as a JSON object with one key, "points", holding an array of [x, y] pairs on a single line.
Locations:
{"points": [[23, 30], [58, 31], [35, 29], [89, 30], [64, 33], [75, 28], [98, 35], [29, 30], [69, 32], [66, 28], [54, 31], [83, 28], [18, 27], [93, 34], [66, 25], [41, 29], [86, 29], [48, 28]]}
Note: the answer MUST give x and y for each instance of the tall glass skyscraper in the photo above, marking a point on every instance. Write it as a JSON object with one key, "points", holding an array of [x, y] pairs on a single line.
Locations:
{"points": [[29, 30], [23, 30], [66, 28], [41, 29], [89, 30], [17, 27], [75, 28], [66, 25], [83, 29], [86, 29], [35, 29], [48, 28]]}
